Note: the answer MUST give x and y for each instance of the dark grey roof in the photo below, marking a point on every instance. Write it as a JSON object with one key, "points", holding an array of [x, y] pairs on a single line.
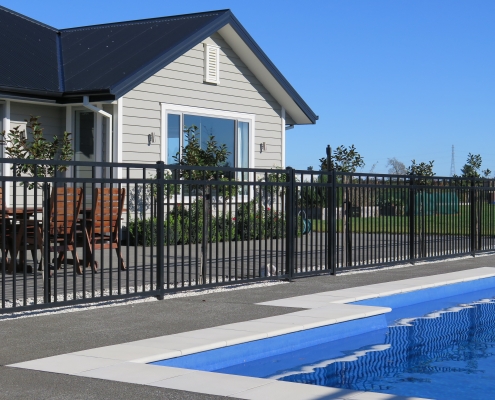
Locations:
{"points": [[99, 57], [106, 61], [29, 54]]}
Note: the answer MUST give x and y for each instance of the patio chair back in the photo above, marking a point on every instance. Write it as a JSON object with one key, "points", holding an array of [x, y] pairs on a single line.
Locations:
{"points": [[103, 232], [65, 207], [107, 211]]}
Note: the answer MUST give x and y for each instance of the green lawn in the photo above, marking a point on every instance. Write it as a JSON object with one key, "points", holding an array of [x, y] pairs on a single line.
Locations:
{"points": [[434, 224]]}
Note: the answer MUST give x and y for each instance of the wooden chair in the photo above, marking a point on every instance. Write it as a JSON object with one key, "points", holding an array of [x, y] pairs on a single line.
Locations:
{"points": [[103, 226], [65, 207]]}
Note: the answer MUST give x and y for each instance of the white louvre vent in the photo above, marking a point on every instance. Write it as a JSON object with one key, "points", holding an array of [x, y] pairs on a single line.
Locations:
{"points": [[212, 61]]}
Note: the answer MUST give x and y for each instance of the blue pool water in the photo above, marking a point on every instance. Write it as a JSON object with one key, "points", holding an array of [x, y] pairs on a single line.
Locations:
{"points": [[443, 348]]}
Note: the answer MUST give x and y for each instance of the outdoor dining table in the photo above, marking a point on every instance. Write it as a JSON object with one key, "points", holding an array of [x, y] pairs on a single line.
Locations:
{"points": [[21, 216], [25, 229]]}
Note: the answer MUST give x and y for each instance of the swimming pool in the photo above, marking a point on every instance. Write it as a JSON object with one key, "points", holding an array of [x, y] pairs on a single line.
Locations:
{"points": [[324, 316], [441, 348]]}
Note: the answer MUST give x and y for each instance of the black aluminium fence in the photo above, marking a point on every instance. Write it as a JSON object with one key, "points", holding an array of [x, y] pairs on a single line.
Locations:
{"points": [[104, 231]]}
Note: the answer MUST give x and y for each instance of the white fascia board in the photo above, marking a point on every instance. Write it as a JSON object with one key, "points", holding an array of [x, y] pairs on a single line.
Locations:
{"points": [[262, 74]]}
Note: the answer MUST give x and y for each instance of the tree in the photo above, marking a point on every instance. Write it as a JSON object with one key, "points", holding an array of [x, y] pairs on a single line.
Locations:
{"points": [[213, 155], [18, 145], [473, 166], [396, 167], [421, 169], [38, 147], [472, 169], [344, 160]]}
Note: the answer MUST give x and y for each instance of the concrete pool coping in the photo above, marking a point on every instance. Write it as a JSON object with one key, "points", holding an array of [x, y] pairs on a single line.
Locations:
{"points": [[126, 362]]}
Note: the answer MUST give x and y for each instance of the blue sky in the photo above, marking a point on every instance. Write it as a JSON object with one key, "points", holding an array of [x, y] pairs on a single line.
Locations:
{"points": [[396, 78]]}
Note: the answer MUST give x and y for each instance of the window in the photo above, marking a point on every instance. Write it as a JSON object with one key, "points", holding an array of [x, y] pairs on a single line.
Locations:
{"points": [[233, 130]]}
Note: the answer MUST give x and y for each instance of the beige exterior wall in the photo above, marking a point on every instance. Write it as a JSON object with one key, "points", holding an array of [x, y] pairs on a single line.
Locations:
{"points": [[52, 118], [181, 83]]}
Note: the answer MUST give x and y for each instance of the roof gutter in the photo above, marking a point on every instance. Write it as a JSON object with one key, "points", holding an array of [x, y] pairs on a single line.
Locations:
{"points": [[109, 120]]}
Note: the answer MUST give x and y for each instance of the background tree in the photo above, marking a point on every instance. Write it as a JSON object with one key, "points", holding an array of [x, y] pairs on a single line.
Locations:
{"points": [[348, 160], [343, 159], [421, 169], [472, 171], [472, 168], [396, 167]]}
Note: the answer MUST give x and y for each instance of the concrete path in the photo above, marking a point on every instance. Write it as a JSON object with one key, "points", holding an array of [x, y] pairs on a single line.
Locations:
{"points": [[45, 336]]}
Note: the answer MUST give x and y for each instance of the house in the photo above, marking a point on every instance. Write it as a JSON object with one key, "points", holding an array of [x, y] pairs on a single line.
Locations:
{"points": [[125, 90]]}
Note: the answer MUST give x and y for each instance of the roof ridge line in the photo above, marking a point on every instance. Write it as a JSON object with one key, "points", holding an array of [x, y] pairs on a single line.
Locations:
{"points": [[25, 17], [146, 20]]}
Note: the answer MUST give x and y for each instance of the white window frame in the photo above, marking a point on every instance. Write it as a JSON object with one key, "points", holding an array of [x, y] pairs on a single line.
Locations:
{"points": [[204, 112]]}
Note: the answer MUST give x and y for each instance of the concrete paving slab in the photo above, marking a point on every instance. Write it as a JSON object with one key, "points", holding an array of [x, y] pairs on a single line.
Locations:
{"points": [[129, 352], [311, 301], [66, 364], [212, 383], [184, 344], [221, 333], [269, 329], [298, 319], [135, 373]]}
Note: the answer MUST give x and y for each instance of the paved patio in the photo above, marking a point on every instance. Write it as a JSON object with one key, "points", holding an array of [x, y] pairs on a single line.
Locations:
{"points": [[43, 336]]}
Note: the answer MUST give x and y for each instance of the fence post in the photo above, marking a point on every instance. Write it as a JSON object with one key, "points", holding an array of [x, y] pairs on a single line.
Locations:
{"points": [[332, 228], [47, 289], [289, 207], [330, 217], [160, 220], [472, 204], [412, 221]]}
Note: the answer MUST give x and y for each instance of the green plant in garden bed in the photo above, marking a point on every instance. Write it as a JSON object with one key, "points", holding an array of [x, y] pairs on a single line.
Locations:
{"points": [[183, 226], [258, 222]]}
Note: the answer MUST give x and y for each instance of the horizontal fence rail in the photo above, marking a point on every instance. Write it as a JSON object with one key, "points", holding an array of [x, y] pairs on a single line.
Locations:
{"points": [[105, 231]]}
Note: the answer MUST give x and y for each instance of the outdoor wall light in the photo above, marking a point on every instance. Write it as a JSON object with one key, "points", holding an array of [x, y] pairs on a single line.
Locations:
{"points": [[262, 147], [151, 138]]}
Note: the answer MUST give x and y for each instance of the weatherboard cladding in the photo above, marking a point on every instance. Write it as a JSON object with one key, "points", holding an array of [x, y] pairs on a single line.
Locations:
{"points": [[181, 83]]}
